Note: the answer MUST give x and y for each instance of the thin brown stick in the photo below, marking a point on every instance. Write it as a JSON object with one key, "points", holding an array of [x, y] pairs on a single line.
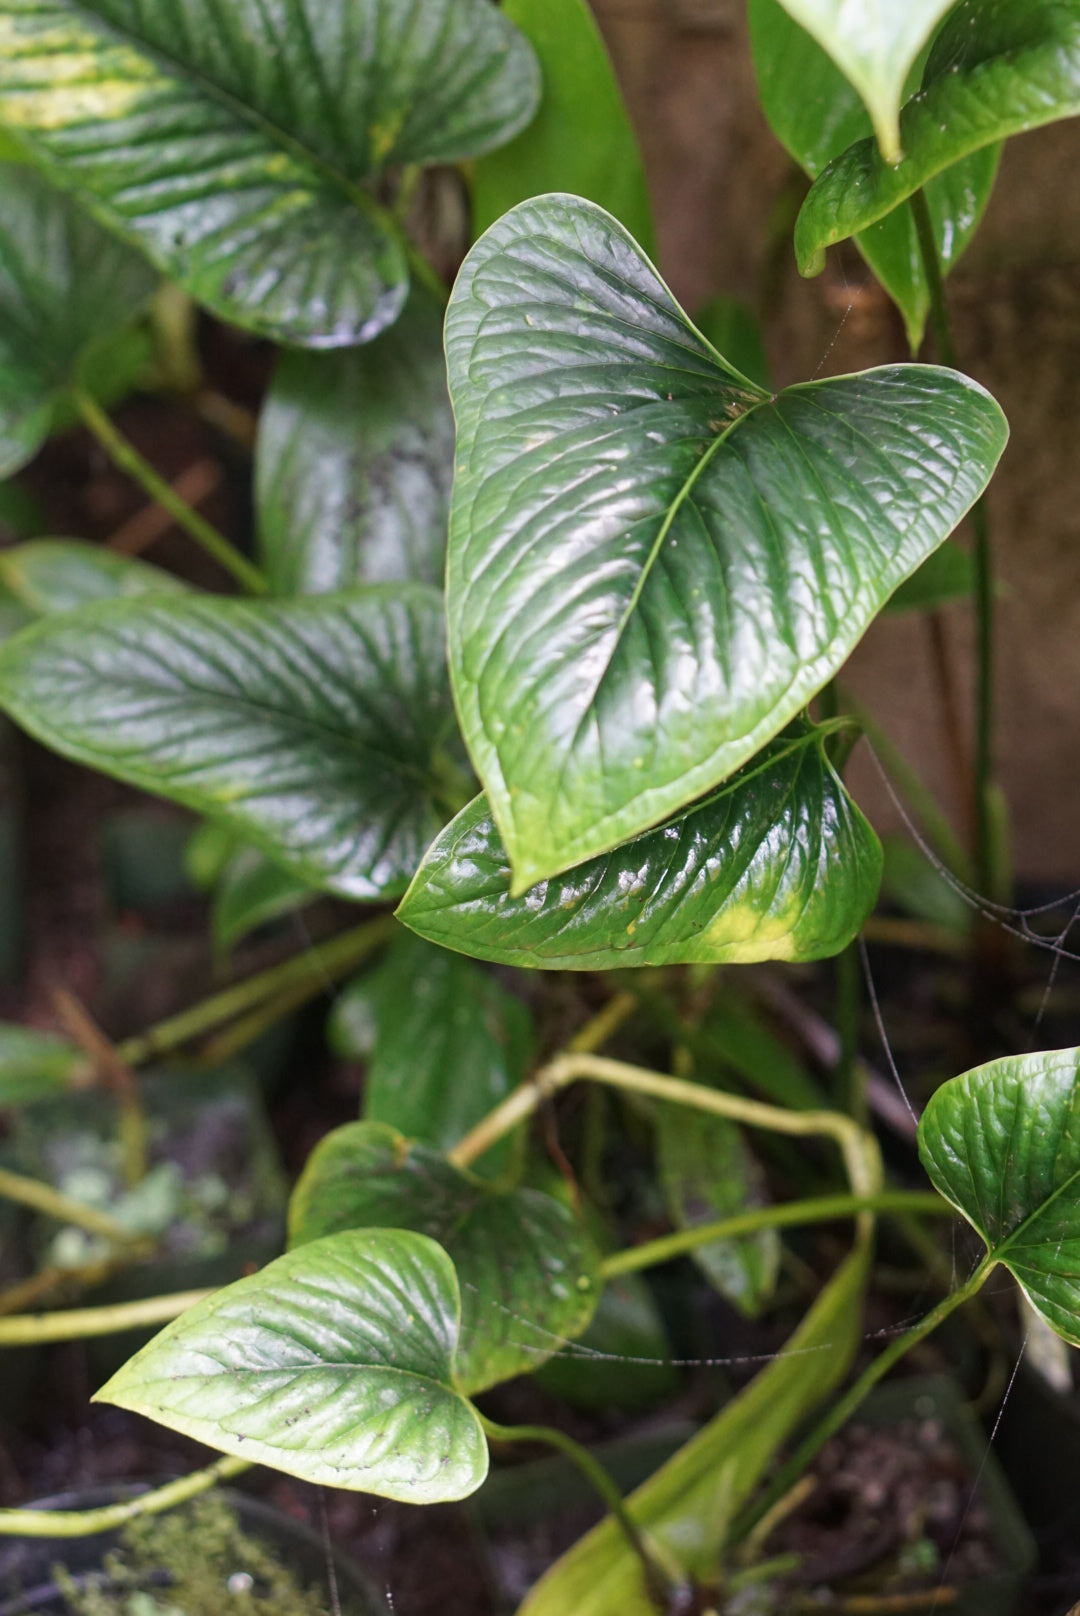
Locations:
{"points": [[151, 522]]}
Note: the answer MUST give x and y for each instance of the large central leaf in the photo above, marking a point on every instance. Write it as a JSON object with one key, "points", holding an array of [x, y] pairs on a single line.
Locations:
{"points": [[654, 564], [1002, 1143], [231, 139], [320, 729]]}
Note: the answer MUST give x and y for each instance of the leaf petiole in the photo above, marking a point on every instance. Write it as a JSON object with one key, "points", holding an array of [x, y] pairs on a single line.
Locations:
{"points": [[88, 1522]]}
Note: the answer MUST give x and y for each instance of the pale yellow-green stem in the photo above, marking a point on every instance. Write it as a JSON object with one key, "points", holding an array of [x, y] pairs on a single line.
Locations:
{"points": [[77, 1324], [41, 1197], [88, 1522]]}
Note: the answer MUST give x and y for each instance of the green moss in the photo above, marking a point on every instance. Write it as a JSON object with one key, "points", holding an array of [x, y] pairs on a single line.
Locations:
{"points": [[214, 1569]]}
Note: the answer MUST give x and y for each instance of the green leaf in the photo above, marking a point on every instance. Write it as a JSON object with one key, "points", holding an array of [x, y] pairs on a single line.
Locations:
{"points": [[776, 864], [995, 70], [733, 331], [528, 1269], [449, 1043], [66, 288], [318, 729], [234, 142], [708, 1171], [623, 1360], [946, 576], [581, 140], [816, 114], [48, 576], [252, 891], [332, 1363], [35, 1065], [354, 461], [653, 565], [1002, 1143], [874, 46], [688, 1505]]}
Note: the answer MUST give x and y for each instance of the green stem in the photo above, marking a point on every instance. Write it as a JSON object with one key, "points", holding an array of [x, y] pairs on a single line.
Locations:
{"points": [[78, 1324], [819, 1209], [43, 1198], [984, 571], [128, 458], [658, 1577], [319, 966], [88, 1522], [842, 1411]]}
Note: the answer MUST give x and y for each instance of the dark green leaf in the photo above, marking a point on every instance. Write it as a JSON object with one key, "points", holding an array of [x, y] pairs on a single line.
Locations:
{"points": [[998, 67], [319, 729], [623, 1360], [688, 1505], [1002, 1143], [447, 1043], [708, 1172], [776, 864], [581, 140], [251, 891], [816, 114], [57, 575], [528, 1269], [874, 46], [232, 141], [354, 462], [35, 1065], [653, 565], [332, 1363], [946, 576], [66, 287]]}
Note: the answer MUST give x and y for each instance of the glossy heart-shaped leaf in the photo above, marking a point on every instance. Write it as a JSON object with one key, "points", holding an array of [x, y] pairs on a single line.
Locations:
{"points": [[778, 863], [816, 114], [354, 462], [66, 286], [708, 1172], [995, 70], [320, 729], [874, 45], [332, 1363], [688, 1505], [653, 564], [231, 141], [35, 1065], [445, 1042], [59, 575], [1002, 1143], [581, 140], [528, 1269]]}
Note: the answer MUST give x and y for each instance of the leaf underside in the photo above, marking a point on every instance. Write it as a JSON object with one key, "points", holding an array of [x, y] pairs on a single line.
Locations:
{"points": [[994, 71], [777, 864], [1002, 1143], [653, 565], [313, 727], [333, 1364], [233, 142], [529, 1272]]}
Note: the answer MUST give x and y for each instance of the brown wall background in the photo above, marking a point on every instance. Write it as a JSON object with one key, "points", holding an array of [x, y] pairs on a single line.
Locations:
{"points": [[720, 182]]}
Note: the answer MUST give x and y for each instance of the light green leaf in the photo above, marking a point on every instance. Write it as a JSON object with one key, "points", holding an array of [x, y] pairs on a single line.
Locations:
{"points": [[234, 142], [581, 140], [996, 69], [688, 1505], [1002, 1143], [66, 288], [48, 576], [946, 576], [874, 43], [653, 565], [354, 462], [778, 863], [252, 891], [319, 729], [708, 1171], [816, 114], [528, 1269], [449, 1042], [35, 1065], [332, 1363]]}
